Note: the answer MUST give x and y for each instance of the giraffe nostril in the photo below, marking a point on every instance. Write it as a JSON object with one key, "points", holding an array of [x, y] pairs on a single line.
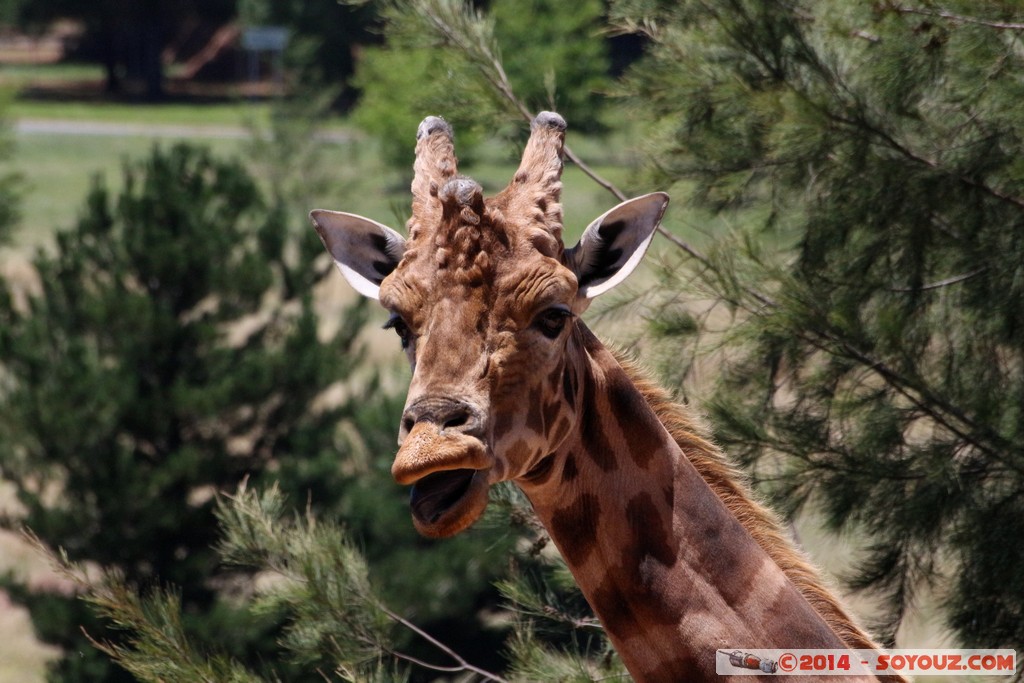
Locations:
{"points": [[456, 420], [408, 423]]}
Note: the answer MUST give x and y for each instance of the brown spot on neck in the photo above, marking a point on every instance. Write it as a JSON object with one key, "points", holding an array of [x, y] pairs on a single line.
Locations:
{"points": [[569, 469], [592, 434], [540, 473], [652, 537], [645, 435], [535, 412], [575, 528]]}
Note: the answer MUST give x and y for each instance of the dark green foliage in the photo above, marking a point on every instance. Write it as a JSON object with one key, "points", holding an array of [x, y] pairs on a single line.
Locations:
{"points": [[172, 351], [323, 39], [882, 369], [127, 37], [555, 56], [399, 84]]}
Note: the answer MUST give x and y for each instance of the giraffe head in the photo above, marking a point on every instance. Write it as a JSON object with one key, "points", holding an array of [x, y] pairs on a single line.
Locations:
{"points": [[484, 296]]}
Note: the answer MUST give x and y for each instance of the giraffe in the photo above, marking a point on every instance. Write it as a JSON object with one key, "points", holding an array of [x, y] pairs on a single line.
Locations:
{"points": [[669, 548]]}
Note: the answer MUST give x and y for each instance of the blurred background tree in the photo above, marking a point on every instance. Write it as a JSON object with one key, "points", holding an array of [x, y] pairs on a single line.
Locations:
{"points": [[323, 42], [172, 351], [128, 37], [553, 55]]}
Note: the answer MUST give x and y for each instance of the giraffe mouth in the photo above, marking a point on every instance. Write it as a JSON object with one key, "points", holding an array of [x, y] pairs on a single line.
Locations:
{"points": [[444, 503], [436, 493]]}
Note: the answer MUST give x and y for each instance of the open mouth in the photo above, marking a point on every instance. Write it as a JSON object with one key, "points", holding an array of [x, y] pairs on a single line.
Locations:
{"points": [[436, 493]]}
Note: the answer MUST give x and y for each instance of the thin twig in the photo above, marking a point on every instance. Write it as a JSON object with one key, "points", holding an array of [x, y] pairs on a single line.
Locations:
{"points": [[606, 184], [463, 665], [942, 283], [961, 19], [426, 665]]}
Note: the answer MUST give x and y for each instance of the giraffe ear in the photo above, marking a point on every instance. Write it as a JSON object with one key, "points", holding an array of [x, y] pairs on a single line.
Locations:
{"points": [[612, 246], [365, 251]]}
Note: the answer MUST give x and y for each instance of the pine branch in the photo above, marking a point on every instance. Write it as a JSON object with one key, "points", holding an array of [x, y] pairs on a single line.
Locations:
{"points": [[330, 577], [542, 603], [836, 84], [927, 401], [156, 648], [826, 338], [534, 661]]}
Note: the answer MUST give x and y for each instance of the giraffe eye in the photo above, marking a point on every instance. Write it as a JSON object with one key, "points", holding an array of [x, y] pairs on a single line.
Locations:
{"points": [[552, 321], [396, 323]]}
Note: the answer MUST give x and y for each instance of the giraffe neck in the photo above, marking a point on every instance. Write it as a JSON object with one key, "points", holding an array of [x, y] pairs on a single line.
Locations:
{"points": [[671, 573]]}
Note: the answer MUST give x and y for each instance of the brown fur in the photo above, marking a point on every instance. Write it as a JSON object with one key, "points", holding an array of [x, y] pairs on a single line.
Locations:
{"points": [[730, 485]]}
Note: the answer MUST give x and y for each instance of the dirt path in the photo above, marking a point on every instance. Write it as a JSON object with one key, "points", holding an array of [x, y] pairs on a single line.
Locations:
{"points": [[150, 130]]}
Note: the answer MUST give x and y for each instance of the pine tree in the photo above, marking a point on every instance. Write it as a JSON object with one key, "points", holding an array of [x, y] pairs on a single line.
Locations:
{"points": [[172, 352], [868, 157]]}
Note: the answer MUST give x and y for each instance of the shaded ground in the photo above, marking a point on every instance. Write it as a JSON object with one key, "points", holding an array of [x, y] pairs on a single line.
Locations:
{"points": [[176, 90]]}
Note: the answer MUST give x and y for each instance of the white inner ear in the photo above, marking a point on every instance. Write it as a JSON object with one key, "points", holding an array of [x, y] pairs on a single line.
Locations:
{"points": [[364, 250], [593, 259], [359, 283]]}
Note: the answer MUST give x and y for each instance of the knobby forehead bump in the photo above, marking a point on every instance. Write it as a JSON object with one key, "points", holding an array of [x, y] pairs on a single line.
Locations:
{"points": [[463, 197]]}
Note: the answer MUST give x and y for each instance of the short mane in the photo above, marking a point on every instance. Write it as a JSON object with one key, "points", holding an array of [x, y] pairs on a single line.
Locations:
{"points": [[731, 486]]}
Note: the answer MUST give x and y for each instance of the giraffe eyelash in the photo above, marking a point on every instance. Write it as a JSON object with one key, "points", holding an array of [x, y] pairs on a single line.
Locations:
{"points": [[396, 323]]}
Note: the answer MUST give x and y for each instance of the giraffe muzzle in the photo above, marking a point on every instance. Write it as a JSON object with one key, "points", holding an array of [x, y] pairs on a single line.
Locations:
{"points": [[444, 458]]}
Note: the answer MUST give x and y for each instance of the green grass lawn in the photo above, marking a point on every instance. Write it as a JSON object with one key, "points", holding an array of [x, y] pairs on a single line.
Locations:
{"points": [[58, 171], [21, 75]]}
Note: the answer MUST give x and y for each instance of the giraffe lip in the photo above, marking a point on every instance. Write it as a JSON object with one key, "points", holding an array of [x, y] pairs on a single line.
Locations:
{"points": [[436, 493]]}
